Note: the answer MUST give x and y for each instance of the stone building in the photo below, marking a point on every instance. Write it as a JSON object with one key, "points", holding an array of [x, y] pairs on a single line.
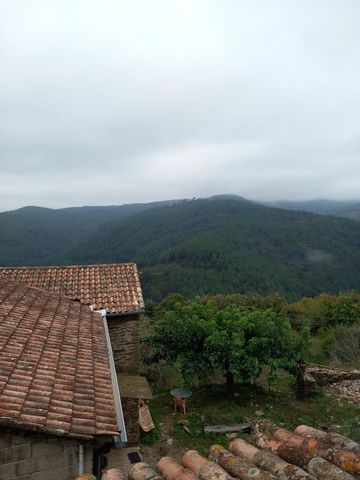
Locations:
{"points": [[114, 290], [60, 406]]}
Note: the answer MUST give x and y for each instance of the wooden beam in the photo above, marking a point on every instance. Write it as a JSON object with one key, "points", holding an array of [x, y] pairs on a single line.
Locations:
{"points": [[238, 427]]}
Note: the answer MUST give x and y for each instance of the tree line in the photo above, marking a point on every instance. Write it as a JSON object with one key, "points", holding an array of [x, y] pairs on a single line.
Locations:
{"points": [[240, 336]]}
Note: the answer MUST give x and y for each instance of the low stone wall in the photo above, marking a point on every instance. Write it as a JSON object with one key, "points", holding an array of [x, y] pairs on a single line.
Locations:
{"points": [[124, 335], [32, 456], [324, 375]]}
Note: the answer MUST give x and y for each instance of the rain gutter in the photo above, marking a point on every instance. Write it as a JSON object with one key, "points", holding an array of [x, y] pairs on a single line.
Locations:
{"points": [[122, 314], [116, 391]]}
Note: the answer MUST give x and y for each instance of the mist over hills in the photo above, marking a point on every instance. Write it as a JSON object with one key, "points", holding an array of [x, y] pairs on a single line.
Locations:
{"points": [[218, 245], [321, 206], [349, 211], [341, 208]]}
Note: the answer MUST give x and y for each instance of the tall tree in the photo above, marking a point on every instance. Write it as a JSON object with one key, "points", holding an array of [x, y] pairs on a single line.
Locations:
{"points": [[203, 337]]}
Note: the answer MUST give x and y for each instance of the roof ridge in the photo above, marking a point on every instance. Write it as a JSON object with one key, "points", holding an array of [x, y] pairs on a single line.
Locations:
{"points": [[114, 287], [4, 281], [34, 267]]}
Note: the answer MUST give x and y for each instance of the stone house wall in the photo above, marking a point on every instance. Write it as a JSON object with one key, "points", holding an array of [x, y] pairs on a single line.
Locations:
{"points": [[130, 408], [125, 341], [31, 456], [124, 334]]}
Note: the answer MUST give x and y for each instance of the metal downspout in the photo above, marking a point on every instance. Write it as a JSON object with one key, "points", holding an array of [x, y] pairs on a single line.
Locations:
{"points": [[81, 458]]}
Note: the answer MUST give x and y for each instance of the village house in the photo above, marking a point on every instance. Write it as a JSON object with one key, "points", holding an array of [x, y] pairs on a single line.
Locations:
{"points": [[60, 405], [109, 293]]}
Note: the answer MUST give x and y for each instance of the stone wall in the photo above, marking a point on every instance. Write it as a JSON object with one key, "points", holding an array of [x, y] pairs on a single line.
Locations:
{"points": [[125, 341], [32, 456], [130, 408], [125, 336], [326, 375]]}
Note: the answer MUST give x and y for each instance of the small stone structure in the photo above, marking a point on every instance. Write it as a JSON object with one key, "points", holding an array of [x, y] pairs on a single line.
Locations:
{"points": [[124, 331], [131, 416], [124, 335], [132, 389]]}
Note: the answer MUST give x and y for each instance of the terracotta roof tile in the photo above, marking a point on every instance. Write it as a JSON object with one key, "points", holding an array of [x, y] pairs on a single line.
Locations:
{"points": [[54, 364], [311, 455], [114, 287]]}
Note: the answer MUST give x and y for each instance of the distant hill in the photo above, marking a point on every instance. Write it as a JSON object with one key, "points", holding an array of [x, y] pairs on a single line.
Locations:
{"points": [[339, 208], [349, 211], [42, 236], [216, 245], [223, 246]]}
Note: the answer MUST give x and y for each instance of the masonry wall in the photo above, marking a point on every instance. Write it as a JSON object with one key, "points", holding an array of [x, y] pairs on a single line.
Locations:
{"points": [[37, 457], [125, 341], [125, 337], [130, 408]]}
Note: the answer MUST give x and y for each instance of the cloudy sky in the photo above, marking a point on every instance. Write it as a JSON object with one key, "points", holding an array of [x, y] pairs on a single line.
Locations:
{"points": [[119, 101]]}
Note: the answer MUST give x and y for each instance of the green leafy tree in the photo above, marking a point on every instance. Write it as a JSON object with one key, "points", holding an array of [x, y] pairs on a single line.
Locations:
{"points": [[202, 337], [328, 311], [342, 309]]}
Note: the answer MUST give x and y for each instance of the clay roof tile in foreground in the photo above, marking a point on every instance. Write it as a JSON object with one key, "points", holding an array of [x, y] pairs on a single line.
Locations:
{"points": [[114, 287], [307, 454], [54, 365]]}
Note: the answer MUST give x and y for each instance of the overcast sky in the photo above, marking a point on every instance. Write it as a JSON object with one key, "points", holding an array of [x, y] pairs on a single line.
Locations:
{"points": [[111, 102]]}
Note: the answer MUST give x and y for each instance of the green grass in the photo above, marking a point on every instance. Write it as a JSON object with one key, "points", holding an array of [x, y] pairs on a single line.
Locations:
{"points": [[149, 438], [281, 408]]}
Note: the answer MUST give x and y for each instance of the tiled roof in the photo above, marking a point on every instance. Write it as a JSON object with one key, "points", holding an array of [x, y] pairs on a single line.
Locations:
{"points": [[114, 287], [54, 365], [307, 454]]}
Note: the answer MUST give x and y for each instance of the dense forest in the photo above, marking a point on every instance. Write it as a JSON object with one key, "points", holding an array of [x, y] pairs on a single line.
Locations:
{"points": [[194, 247], [43, 236]]}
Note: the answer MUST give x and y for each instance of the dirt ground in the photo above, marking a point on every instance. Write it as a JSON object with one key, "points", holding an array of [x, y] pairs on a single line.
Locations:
{"points": [[210, 406], [167, 445]]}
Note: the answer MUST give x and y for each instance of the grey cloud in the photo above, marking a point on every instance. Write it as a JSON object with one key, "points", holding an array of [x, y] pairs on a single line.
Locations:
{"points": [[168, 99]]}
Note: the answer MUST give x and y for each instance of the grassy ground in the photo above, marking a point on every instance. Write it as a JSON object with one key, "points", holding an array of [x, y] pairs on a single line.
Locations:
{"points": [[279, 408]]}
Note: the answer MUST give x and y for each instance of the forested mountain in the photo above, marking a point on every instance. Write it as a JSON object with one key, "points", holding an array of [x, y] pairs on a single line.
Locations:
{"points": [[42, 236], [218, 245], [225, 246]]}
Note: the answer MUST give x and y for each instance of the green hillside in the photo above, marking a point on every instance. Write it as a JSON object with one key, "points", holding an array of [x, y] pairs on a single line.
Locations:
{"points": [[43, 236], [224, 246], [218, 245]]}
